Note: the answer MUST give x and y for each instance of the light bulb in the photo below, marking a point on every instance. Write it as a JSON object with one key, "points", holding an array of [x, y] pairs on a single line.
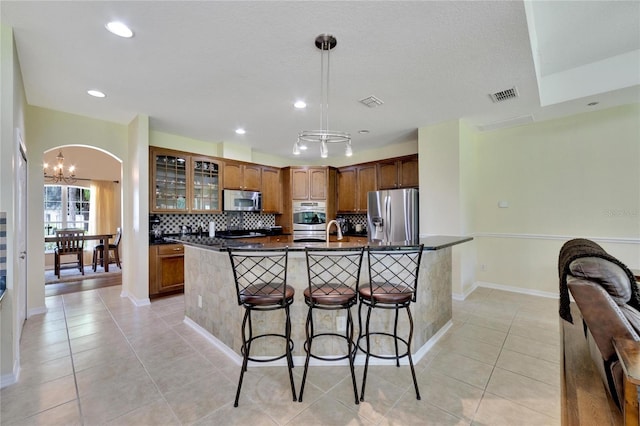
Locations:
{"points": [[324, 152], [296, 149], [348, 151]]}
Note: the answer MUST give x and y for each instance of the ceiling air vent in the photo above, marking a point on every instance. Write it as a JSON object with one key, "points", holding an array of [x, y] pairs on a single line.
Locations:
{"points": [[504, 95], [371, 101]]}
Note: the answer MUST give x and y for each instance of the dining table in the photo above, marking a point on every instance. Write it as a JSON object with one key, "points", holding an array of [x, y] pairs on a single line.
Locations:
{"points": [[103, 238]]}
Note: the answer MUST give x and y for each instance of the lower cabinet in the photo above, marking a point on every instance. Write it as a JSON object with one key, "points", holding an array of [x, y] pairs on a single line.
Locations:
{"points": [[166, 269]]}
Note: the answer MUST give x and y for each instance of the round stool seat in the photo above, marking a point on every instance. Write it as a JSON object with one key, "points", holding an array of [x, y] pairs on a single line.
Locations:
{"points": [[330, 294]]}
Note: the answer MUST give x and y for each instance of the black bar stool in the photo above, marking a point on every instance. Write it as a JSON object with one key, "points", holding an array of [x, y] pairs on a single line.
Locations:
{"points": [[393, 282], [333, 281], [261, 285]]}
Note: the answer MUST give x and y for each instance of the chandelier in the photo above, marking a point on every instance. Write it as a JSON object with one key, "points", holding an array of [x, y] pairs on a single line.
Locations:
{"points": [[324, 136], [58, 172]]}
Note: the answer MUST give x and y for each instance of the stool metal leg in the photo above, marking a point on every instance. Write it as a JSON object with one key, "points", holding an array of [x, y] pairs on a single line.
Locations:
{"points": [[352, 353], [245, 352], [307, 347], [413, 371], [368, 353], [288, 349]]}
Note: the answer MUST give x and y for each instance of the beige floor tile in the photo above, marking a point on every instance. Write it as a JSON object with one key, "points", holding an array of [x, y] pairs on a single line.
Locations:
{"points": [[157, 356], [533, 394], [451, 395], [463, 368], [99, 327], [196, 400], [532, 348], [117, 350], [327, 411], [66, 414], [46, 353], [172, 376], [228, 415], [534, 368], [116, 397], [41, 340], [380, 396], [410, 411], [158, 413], [22, 401], [96, 340], [102, 377], [92, 317], [482, 334], [543, 335], [474, 349], [33, 373], [497, 411]]}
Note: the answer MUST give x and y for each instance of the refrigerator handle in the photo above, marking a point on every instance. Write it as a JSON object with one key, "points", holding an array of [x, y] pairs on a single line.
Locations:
{"points": [[387, 208]]}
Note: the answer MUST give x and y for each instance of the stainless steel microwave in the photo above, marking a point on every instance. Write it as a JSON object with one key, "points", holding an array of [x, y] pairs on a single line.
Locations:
{"points": [[242, 201]]}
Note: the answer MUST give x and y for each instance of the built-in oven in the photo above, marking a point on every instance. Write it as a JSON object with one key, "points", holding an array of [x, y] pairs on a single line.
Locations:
{"points": [[309, 221]]}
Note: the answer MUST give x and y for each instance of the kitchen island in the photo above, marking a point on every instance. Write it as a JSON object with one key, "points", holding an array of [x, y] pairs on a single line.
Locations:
{"points": [[211, 303]]}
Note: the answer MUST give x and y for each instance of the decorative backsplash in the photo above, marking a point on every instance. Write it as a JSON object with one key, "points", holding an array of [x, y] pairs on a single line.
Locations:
{"points": [[172, 222]]}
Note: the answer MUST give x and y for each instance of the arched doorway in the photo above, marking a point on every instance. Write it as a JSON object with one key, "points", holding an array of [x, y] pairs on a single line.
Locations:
{"points": [[92, 200]]}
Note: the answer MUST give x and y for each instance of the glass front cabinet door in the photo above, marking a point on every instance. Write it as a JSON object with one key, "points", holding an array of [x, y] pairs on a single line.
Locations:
{"points": [[169, 181], [206, 185]]}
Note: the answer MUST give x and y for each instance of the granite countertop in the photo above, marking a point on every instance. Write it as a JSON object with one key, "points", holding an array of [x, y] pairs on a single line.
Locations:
{"points": [[220, 236], [436, 242]]}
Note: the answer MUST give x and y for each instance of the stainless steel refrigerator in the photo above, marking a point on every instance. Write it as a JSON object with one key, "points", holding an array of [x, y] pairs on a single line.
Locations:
{"points": [[392, 216]]}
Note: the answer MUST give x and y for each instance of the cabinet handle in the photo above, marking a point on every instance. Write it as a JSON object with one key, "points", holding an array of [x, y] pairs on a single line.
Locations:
{"points": [[177, 249]]}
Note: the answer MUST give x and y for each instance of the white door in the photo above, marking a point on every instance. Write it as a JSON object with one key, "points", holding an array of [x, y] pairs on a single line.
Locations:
{"points": [[21, 236]]}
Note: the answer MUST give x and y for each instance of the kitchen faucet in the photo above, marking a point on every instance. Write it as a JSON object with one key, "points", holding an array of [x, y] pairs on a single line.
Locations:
{"points": [[334, 222]]}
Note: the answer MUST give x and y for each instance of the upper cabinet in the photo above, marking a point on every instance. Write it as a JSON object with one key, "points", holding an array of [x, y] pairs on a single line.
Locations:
{"points": [[205, 196], [182, 183], [354, 182], [309, 183], [247, 177], [271, 190], [399, 172]]}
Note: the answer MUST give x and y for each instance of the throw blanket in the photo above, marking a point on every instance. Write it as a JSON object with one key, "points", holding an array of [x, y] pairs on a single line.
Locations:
{"points": [[575, 249]]}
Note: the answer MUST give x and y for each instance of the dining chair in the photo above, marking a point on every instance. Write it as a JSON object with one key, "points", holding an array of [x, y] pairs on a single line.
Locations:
{"points": [[69, 242], [261, 285], [98, 252], [393, 283]]}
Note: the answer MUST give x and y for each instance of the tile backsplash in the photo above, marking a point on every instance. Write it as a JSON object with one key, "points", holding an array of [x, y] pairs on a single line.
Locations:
{"points": [[172, 222]]}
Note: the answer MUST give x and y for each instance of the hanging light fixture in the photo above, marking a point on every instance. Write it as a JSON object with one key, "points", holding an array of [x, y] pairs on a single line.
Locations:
{"points": [[58, 172], [324, 136]]}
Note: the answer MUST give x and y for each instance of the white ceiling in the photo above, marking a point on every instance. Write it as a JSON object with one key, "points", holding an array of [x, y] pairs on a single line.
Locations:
{"points": [[201, 69]]}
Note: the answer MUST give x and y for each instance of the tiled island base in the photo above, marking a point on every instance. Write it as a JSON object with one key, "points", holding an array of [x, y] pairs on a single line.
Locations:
{"points": [[211, 305]]}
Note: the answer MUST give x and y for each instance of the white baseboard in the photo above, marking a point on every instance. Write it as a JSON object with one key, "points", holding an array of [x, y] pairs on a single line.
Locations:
{"points": [[36, 311], [11, 378], [462, 296], [135, 300], [299, 360], [528, 291]]}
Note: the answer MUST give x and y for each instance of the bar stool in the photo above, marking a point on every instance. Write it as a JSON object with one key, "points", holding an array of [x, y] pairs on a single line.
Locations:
{"points": [[261, 285], [393, 282], [333, 281]]}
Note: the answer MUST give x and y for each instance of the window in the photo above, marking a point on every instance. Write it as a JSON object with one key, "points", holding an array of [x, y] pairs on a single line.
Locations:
{"points": [[65, 207]]}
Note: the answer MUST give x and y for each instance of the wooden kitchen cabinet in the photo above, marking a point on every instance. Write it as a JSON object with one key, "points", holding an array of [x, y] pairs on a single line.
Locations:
{"points": [[246, 177], [166, 269], [183, 183], [271, 190], [354, 183], [401, 172], [309, 183]]}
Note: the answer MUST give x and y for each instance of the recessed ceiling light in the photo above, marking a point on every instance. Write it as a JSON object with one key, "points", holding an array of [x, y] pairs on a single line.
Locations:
{"points": [[119, 29], [300, 104], [241, 131], [363, 131], [96, 93]]}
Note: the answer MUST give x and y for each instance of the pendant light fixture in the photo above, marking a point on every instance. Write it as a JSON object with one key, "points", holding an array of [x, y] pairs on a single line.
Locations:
{"points": [[324, 136]]}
